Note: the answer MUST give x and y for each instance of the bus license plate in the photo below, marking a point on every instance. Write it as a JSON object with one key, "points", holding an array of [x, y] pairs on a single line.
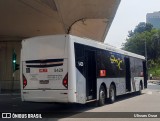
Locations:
{"points": [[44, 81]]}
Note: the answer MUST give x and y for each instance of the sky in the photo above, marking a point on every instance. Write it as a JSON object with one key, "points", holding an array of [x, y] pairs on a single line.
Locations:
{"points": [[128, 16]]}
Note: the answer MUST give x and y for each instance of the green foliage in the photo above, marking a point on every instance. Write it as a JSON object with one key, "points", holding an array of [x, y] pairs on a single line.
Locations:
{"points": [[155, 70], [136, 41], [140, 28]]}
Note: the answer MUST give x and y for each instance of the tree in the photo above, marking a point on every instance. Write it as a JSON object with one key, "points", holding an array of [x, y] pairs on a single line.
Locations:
{"points": [[140, 28], [136, 41], [155, 46]]}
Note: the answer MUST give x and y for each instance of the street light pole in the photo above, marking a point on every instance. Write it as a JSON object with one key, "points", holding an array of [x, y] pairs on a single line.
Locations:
{"points": [[146, 59], [145, 50]]}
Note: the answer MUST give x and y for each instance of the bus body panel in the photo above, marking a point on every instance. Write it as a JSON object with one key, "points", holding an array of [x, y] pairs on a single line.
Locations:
{"points": [[119, 81], [84, 75], [71, 70], [45, 95], [44, 64], [81, 87], [43, 77], [44, 47]]}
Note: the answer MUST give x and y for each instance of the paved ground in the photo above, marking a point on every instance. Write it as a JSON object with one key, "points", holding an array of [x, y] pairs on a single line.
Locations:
{"points": [[154, 81], [149, 101]]}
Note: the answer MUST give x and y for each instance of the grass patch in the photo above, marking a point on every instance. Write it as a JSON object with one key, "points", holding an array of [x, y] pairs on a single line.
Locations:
{"points": [[155, 71]]}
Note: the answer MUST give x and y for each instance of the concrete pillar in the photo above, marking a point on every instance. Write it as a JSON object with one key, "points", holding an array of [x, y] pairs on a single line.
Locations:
{"points": [[6, 48]]}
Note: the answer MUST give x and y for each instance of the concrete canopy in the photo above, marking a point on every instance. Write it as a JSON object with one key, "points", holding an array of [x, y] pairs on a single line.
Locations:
{"points": [[84, 18]]}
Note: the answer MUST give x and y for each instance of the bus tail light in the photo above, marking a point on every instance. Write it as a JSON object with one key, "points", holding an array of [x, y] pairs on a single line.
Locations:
{"points": [[24, 81], [65, 81]]}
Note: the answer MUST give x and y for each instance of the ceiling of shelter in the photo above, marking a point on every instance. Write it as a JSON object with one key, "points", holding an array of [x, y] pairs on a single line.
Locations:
{"points": [[84, 18]]}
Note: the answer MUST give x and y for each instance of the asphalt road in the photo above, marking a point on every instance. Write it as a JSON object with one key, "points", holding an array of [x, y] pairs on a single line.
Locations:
{"points": [[149, 101]]}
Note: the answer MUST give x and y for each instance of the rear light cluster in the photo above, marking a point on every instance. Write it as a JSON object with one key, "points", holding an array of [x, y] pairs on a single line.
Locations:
{"points": [[65, 81], [24, 81]]}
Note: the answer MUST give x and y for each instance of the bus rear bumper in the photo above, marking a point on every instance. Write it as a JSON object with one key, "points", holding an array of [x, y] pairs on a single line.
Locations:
{"points": [[45, 95]]}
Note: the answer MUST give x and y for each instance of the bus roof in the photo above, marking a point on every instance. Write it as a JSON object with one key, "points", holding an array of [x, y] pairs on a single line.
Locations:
{"points": [[101, 45], [90, 42]]}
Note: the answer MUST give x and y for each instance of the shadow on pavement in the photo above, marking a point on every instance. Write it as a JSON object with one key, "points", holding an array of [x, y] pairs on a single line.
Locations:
{"points": [[127, 96], [13, 103]]}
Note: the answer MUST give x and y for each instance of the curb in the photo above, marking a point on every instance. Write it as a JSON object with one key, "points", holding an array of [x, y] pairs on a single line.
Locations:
{"points": [[10, 94]]}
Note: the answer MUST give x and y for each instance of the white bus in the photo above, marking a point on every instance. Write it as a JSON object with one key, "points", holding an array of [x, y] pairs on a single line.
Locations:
{"points": [[70, 69]]}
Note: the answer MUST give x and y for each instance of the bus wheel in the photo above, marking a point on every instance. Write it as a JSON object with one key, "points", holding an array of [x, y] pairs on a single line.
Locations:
{"points": [[102, 96], [140, 89], [112, 94]]}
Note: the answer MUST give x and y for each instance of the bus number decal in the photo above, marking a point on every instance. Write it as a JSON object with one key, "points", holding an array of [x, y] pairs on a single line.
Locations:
{"points": [[58, 70]]}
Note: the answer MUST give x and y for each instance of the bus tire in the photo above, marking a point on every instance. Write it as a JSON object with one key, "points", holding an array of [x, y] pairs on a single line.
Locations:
{"points": [[112, 94], [102, 96]]}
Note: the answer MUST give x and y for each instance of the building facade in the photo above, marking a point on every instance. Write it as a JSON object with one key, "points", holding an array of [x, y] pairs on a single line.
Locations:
{"points": [[154, 19]]}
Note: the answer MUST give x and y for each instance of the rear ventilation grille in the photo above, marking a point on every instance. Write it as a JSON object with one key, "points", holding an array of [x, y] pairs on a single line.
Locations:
{"points": [[44, 63]]}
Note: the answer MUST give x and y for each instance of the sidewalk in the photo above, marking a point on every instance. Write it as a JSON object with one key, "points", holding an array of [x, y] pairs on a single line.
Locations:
{"points": [[154, 81], [10, 92]]}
